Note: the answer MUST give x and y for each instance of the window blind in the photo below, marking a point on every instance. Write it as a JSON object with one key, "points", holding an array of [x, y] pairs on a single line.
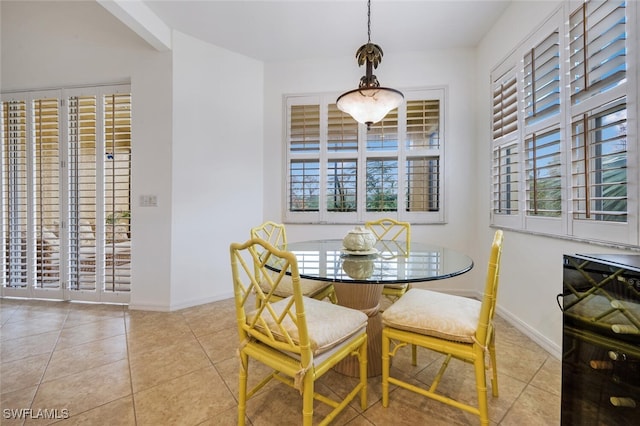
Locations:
{"points": [[82, 198], [423, 124], [542, 80], [46, 191], [342, 131], [117, 191], [505, 105], [599, 164], [506, 179], [304, 128], [382, 184], [598, 48], [383, 135], [304, 185], [14, 193], [543, 171], [422, 184], [342, 185], [423, 172]]}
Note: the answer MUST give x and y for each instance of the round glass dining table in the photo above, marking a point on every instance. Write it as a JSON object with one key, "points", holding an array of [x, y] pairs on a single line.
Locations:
{"points": [[359, 278], [388, 263]]}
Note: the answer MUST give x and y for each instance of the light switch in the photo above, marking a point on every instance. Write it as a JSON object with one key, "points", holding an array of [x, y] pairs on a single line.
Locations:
{"points": [[148, 201]]}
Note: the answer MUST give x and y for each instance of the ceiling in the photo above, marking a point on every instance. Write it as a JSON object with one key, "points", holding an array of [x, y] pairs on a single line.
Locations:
{"points": [[304, 29]]}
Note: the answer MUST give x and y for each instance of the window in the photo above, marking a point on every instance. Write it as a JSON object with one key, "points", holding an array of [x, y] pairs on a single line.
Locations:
{"points": [[599, 164], [66, 183], [570, 138], [505, 166], [340, 172]]}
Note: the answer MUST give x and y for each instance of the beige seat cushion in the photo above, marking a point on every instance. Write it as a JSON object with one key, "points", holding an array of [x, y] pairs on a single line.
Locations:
{"points": [[309, 287], [434, 314], [327, 324]]}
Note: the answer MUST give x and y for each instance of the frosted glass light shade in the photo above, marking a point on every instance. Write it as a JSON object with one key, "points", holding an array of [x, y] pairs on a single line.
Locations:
{"points": [[369, 105]]}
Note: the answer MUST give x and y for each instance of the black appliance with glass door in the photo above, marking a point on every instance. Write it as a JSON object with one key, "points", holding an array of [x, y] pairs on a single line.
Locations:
{"points": [[601, 340]]}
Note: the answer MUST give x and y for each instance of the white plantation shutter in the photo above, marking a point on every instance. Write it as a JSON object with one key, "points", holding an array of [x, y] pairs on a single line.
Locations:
{"points": [[598, 48], [543, 170], [505, 169], [14, 193], [505, 105], [382, 168], [66, 184], [83, 194], [565, 155], [342, 185], [342, 162], [422, 165], [342, 131], [304, 128], [542, 143], [423, 184], [506, 185], [117, 194], [304, 185], [303, 146], [46, 191], [599, 164], [338, 171], [542, 80], [423, 124]]}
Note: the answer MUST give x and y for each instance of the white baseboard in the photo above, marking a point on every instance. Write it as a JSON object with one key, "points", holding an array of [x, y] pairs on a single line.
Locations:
{"points": [[181, 305], [546, 344]]}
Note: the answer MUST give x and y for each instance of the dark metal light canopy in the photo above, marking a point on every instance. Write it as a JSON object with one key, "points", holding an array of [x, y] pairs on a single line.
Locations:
{"points": [[369, 103]]}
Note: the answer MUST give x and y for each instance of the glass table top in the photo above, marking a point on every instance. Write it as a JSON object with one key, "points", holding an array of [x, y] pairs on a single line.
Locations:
{"points": [[388, 263]]}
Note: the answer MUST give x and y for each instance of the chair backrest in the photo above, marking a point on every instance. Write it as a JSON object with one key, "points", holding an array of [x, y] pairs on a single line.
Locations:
{"points": [[271, 232], [279, 323], [389, 229], [489, 298]]}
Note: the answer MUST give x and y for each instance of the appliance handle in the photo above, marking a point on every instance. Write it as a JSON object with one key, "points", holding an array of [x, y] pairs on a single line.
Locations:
{"points": [[558, 301]]}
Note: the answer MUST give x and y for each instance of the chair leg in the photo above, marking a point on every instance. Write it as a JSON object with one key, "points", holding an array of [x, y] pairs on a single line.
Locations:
{"points": [[414, 355], [307, 400], [481, 388], [242, 389], [363, 375], [494, 367], [385, 369], [333, 298]]}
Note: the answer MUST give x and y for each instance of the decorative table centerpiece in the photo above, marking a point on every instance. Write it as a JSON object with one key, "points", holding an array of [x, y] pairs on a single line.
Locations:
{"points": [[359, 241]]}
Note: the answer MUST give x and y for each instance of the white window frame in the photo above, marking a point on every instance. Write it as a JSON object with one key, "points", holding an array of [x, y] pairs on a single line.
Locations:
{"points": [[402, 154]]}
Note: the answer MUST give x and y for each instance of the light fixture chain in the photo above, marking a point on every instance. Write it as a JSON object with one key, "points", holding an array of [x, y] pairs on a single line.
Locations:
{"points": [[368, 21]]}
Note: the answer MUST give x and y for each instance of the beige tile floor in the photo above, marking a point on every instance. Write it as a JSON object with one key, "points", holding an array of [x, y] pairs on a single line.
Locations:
{"points": [[107, 365]]}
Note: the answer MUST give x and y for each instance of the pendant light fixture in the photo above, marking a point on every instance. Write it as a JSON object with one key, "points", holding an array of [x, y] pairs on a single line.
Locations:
{"points": [[369, 103]]}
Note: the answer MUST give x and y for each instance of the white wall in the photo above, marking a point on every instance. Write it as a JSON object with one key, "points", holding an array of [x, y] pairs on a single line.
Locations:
{"points": [[217, 165], [452, 69]]}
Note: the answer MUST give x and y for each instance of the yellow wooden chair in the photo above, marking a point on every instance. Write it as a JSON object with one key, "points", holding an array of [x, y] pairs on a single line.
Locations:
{"points": [[455, 326], [300, 338], [394, 238], [275, 234]]}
